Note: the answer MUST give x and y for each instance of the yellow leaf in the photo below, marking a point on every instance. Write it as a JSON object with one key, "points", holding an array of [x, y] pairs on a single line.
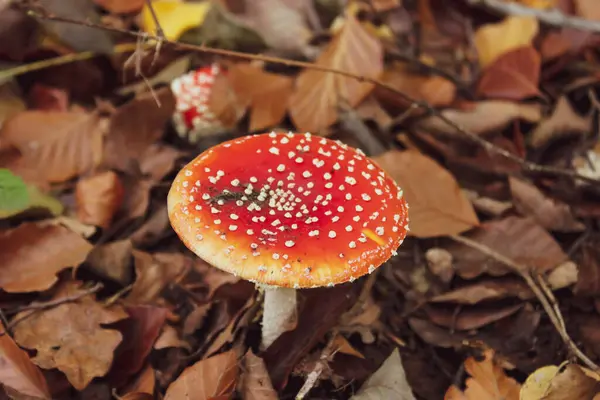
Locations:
{"points": [[538, 382], [493, 40], [175, 17]]}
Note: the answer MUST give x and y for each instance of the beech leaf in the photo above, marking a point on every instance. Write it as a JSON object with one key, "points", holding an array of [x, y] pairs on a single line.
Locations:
{"points": [[437, 205], [98, 198], [314, 104], [388, 382], [256, 384], [174, 17]]}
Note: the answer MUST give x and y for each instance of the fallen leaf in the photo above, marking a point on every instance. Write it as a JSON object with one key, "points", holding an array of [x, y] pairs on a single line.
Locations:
{"points": [[58, 145], [484, 117], [112, 260], [207, 379], [13, 192], [388, 382], [158, 160], [255, 381], [536, 385], [267, 93], [572, 382], [551, 214], [588, 282], [11, 101], [587, 9], [19, 35], [520, 239], [136, 198], [69, 333], [153, 229], [18, 372], [564, 122], [213, 277], [486, 290], [47, 98], [145, 382], [341, 345], [174, 17], [318, 95], [121, 6], [438, 207], [514, 75], [136, 125], [488, 205], [153, 273], [487, 381], [169, 337], [33, 253], [98, 198], [470, 318], [494, 40], [226, 106]]}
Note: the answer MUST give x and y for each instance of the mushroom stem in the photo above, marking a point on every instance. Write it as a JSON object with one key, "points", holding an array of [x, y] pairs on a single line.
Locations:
{"points": [[279, 314]]}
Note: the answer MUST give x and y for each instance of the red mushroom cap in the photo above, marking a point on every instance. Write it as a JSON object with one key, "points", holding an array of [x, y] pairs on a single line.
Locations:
{"points": [[290, 210], [192, 94]]}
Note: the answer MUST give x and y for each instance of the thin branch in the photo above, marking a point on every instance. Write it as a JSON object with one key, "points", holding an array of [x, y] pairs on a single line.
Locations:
{"points": [[488, 146], [550, 305], [553, 16], [320, 365]]}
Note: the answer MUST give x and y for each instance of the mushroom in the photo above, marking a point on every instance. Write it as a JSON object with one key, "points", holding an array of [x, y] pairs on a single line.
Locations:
{"points": [[193, 116], [288, 211]]}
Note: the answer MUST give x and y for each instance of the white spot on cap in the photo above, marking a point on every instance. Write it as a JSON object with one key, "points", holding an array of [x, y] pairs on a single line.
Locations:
{"points": [[289, 243], [332, 234], [274, 150]]}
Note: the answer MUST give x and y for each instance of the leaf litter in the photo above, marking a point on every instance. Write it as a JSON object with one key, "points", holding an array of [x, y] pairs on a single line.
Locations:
{"points": [[488, 298]]}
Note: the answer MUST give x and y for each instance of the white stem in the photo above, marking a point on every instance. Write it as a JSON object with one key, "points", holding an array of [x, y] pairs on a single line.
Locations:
{"points": [[279, 314]]}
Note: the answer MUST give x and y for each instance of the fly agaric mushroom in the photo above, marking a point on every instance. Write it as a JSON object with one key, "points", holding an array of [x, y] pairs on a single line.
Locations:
{"points": [[288, 211], [193, 116]]}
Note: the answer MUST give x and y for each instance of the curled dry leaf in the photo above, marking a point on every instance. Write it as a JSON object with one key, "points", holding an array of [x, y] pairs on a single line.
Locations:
{"points": [[266, 93], [494, 40], [112, 260], [470, 318], [482, 118], [32, 254], [388, 382], [144, 382], [169, 337], [98, 197], [438, 207], [551, 214], [153, 273], [486, 290], [555, 383], [520, 239], [18, 372], [515, 75], [487, 381], [255, 381], [206, 379], [318, 95], [158, 160], [69, 333], [57, 145]]}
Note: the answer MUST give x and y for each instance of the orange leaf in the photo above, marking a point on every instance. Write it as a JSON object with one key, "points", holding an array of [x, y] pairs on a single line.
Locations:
{"points": [[98, 198], [513, 76], [588, 9], [267, 94], [213, 377], [32, 254], [18, 372], [314, 105]]}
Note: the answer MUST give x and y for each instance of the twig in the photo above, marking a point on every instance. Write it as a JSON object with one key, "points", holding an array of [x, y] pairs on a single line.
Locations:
{"points": [[488, 146], [159, 31], [553, 16], [314, 375], [552, 311]]}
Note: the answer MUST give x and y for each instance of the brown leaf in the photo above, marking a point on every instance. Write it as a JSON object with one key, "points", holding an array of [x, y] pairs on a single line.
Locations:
{"points": [[153, 273], [551, 214], [70, 337], [112, 260], [256, 384], [169, 337], [513, 76], [485, 290], [314, 104], [470, 318], [572, 383], [341, 345], [487, 382], [98, 198], [225, 103], [437, 205], [563, 122], [121, 6], [519, 239], [136, 198], [587, 9], [144, 383], [18, 372], [158, 160], [213, 277], [32, 254], [57, 145], [47, 98], [136, 125], [267, 93], [206, 379], [588, 282]]}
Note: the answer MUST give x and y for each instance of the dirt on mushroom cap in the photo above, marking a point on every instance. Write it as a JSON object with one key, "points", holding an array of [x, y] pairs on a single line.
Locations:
{"points": [[291, 210]]}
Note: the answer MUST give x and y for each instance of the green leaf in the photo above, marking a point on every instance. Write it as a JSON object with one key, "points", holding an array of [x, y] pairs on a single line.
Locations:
{"points": [[13, 192]]}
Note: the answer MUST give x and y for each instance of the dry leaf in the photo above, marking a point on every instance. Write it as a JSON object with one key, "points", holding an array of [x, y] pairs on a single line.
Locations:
{"points": [[121, 6], [158, 160], [487, 382], [437, 205], [486, 290], [485, 117], [70, 337], [587, 9], [112, 260], [494, 40], [519, 239], [255, 382], [169, 337], [209, 378], [227, 107], [514, 75], [267, 93], [318, 95], [536, 384], [388, 382], [153, 273], [341, 345], [144, 383], [32, 254], [57, 145], [98, 198], [571, 383], [470, 318], [550, 214], [18, 372], [175, 17]]}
